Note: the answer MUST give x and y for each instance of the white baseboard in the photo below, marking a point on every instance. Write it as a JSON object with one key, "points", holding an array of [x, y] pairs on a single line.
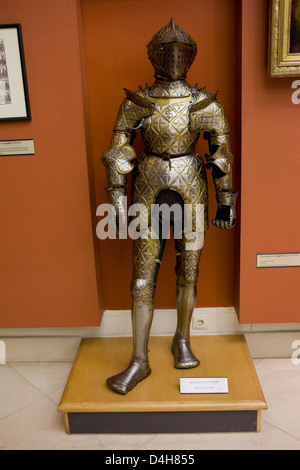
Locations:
{"points": [[61, 344], [2, 352]]}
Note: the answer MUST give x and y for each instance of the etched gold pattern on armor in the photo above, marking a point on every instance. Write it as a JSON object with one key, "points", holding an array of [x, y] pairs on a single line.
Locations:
{"points": [[167, 129]]}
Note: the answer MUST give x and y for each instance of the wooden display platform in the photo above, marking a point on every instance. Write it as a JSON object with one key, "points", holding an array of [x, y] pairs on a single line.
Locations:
{"points": [[155, 405]]}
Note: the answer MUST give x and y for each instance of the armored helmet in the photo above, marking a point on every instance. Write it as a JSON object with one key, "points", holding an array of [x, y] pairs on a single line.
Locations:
{"points": [[171, 51]]}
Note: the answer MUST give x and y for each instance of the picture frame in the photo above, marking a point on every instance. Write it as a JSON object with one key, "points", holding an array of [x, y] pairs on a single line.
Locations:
{"points": [[14, 97], [284, 38]]}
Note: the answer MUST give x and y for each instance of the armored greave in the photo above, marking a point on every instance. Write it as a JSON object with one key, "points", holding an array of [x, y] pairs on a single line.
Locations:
{"points": [[181, 347], [187, 269], [142, 315], [138, 368], [146, 260]]}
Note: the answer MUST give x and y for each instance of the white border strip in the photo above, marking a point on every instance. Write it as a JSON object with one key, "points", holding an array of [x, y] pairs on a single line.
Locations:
{"points": [[118, 323]]}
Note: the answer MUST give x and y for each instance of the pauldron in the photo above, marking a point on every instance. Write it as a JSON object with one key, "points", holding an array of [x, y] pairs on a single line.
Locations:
{"points": [[133, 109], [207, 115]]}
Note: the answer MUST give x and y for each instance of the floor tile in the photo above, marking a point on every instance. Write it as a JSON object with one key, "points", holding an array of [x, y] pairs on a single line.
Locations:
{"points": [[40, 427], [15, 391], [56, 396], [280, 381], [125, 441], [269, 438], [46, 377]]}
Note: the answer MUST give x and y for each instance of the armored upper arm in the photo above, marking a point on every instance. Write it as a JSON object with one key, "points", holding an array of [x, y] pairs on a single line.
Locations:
{"points": [[208, 115], [133, 109]]}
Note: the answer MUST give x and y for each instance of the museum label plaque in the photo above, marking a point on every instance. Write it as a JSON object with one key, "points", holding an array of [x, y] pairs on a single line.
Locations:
{"points": [[203, 385], [277, 260], [17, 147]]}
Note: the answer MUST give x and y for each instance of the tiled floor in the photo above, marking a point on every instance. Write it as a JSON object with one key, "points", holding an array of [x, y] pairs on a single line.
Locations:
{"points": [[30, 394]]}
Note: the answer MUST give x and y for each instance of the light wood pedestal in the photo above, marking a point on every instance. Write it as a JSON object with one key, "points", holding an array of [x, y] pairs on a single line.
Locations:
{"points": [[155, 405]]}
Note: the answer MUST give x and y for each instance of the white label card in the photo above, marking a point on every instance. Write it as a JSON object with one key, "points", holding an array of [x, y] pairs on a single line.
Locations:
{"points": [[277, 260], [17, 147], [203, 385]]}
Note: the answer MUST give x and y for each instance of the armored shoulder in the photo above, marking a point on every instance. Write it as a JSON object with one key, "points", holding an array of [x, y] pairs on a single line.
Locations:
{"points": [[133, 109], [208, 115]]}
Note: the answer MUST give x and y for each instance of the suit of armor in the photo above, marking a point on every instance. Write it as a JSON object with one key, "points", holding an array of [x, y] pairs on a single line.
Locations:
{"points": [[171, 114]]}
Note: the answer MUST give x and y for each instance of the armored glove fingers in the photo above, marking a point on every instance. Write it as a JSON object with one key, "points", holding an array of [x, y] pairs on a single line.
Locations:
{"points": [[225, 217]]}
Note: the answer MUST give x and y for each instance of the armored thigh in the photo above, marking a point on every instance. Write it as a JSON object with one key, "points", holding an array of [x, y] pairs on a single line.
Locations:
{"points": [[187, 265], [147, 254]]}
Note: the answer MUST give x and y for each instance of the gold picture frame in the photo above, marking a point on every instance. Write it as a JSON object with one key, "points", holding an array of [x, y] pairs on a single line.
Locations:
{"points": [[284, 38]]}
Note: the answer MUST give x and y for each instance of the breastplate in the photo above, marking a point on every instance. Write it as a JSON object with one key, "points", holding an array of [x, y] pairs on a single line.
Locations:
{"points": [[167, 130]]}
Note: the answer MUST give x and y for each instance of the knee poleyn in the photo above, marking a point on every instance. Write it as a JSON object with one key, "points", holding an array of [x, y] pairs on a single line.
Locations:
{"points": [[143, 289]]}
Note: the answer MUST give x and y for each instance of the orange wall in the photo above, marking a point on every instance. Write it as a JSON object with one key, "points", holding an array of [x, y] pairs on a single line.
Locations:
{"points": [[270, 179], [47, 268], [116, 34]]}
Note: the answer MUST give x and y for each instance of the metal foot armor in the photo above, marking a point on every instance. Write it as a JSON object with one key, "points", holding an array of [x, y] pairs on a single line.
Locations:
{"points": [[183, 355], [125, 381]]}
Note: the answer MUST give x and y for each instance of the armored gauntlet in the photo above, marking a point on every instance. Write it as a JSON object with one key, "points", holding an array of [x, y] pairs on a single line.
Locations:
{"points": [[221, 162]]}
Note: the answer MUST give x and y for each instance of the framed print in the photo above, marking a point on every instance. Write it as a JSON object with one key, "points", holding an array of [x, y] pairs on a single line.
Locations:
{"points": [[14, 100], [284, 38]]}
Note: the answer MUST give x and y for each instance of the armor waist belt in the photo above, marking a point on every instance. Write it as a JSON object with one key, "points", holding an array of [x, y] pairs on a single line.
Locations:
{"points": [[167, 156]]}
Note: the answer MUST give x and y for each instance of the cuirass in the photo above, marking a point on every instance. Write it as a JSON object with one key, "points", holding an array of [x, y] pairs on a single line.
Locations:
{"points": [[171, 116], [167, 130]]}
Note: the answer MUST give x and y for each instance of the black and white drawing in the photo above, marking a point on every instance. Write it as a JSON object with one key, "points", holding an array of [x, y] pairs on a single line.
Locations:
{"points": [[5, 96], [14, 98]]}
